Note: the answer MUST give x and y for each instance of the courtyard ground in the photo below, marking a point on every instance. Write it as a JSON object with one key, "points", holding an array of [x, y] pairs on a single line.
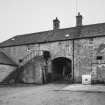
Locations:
{"points": [[49, 94]]}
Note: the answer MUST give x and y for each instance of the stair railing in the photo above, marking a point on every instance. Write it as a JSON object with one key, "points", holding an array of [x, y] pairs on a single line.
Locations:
{"points": [[31, 55]]}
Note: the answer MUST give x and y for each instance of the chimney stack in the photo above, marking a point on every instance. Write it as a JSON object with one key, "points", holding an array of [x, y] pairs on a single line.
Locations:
{"points": [[56, 24], [79, 19]]}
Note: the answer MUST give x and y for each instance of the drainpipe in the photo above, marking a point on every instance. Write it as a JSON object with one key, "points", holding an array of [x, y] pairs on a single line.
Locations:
{"points": [[73, 61]]}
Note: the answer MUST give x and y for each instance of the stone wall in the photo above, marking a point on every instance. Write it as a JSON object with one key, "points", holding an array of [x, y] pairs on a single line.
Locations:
{"points": [[82, 57], [86, 52], [98, 64], [56, 49], [33, 71], [5, 70]]}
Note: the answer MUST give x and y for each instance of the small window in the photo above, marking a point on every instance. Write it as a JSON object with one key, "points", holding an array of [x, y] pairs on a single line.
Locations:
{"points": [[29, 48], [99, 58], [20, 60], [67, 35], [13, 39]]}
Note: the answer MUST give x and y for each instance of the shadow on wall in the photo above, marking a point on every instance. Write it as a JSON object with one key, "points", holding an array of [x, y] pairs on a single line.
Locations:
{"points": [[14, 77]]}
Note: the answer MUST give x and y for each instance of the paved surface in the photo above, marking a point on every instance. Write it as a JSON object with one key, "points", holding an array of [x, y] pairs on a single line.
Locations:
{"points": [[48, 95], [85, 88]]}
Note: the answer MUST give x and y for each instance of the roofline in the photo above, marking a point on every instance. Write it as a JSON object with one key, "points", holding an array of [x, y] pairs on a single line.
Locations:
{"points": [[54, 31], [57, 29], [53, 41]]}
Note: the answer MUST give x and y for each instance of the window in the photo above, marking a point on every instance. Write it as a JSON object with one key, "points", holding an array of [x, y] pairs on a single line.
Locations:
{"points": [[29, 48], [99, 58]]}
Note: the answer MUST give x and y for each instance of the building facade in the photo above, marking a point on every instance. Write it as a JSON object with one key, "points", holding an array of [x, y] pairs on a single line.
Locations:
{"points": [[60, 54]]}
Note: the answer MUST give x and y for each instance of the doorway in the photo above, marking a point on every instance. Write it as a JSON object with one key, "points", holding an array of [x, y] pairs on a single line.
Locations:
{"points": [[61, 69]]}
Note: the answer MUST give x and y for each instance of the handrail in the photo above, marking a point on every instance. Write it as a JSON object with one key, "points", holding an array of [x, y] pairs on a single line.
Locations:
{"points": [[31, 55]]}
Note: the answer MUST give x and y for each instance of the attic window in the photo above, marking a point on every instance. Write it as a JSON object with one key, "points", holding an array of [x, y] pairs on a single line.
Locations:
{"points": [[13, 39], [67, 35]]}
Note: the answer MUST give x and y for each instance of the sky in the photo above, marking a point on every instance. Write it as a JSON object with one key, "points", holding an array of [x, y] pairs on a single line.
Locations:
{"points": [[19, 17]]}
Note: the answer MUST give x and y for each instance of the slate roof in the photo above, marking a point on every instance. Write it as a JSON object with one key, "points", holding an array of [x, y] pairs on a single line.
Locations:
{"points": [[84, 31], [4, 59]]}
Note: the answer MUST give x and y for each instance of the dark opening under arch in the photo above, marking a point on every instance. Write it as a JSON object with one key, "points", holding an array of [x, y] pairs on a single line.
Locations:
{"points": [[62, 69]]}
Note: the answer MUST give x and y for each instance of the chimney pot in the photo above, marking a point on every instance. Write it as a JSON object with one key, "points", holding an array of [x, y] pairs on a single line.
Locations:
{"points": [[79, 19], [56, 24]]}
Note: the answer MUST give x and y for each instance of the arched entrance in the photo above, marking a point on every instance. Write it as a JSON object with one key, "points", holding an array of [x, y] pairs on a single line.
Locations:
{"points": [[61, 68]]}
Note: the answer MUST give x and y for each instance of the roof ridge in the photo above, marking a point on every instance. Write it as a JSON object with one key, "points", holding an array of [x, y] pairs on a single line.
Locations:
{"points": [[55, 30], [91, 30]]}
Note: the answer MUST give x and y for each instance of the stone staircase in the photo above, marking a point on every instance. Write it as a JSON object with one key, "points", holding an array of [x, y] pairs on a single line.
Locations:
{"points": [[31, 55], [14, 76]]}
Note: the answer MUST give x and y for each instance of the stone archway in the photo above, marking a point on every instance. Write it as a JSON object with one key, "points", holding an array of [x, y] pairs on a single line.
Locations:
{"points": [[61, 69]]}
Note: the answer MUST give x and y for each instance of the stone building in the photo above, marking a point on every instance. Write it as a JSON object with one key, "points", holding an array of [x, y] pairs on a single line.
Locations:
{"points": [[59, 54]]}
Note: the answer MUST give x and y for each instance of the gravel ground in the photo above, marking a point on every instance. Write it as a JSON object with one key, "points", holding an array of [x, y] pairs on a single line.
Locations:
{"points": [[47, 95]]}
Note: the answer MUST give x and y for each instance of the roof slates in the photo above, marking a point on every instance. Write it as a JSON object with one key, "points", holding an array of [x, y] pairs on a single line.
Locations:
{"points": [[49, 36]]}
